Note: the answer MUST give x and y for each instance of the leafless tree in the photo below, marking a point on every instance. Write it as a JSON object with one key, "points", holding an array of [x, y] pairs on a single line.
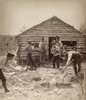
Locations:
{"points": [[23, 29], [83, 29]]}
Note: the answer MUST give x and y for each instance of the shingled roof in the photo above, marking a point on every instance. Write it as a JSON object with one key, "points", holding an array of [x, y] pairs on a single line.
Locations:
{"points": [[53, 23]]}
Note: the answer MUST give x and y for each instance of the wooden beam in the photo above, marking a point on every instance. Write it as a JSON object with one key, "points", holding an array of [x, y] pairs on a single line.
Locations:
{"points": [[85, 83]]}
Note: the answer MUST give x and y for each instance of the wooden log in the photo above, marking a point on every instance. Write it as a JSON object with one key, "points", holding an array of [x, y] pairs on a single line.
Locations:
{"points": [[85, 83]]}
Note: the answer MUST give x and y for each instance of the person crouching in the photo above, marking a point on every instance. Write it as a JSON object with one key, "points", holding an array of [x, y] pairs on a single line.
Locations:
{"points": [[3, 63], [75, 58]]}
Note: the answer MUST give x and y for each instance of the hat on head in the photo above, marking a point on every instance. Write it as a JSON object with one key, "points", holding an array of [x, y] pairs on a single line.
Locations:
{"points": [[58, 37], [10, 55], [53, 44], [29, 42]]}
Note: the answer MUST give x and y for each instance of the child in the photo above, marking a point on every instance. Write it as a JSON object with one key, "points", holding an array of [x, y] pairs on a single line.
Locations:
{"points": [[3, 62]]}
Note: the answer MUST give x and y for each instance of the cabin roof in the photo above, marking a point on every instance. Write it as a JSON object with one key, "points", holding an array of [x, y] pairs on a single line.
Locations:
{"points": [[53, 23]]}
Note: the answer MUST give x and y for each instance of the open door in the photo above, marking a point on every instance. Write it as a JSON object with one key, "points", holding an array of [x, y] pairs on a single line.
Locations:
{"points": [[50, 41]]}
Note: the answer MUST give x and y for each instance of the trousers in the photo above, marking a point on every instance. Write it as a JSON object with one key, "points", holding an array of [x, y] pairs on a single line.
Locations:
{"points": [[56, 59], [77, 63], [2, 77], [30, 60]]}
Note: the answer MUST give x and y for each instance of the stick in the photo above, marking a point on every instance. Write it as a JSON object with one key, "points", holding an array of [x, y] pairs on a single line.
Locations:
{"points": [[20, 79], [66, 67], [11, 85], [77, 78], [85, 83]]}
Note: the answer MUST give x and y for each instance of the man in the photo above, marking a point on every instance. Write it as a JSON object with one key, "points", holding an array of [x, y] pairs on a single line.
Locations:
{"points": [[76, 58], [29, 55], [42, 50], [56, 51], [58, 42], [4, 61], [18, 54]]}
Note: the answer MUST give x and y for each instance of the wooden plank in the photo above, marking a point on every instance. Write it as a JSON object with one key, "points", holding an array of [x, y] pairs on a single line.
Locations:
{"points": [[85, 83], [64, 37], [25, 41], [51, 33]]}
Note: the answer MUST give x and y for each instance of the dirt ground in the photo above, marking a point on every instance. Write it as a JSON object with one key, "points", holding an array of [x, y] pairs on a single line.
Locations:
{"points": [[45, 83]]}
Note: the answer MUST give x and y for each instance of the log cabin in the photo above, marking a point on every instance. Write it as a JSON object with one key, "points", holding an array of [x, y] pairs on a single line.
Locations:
{"points": [[49, 29]]}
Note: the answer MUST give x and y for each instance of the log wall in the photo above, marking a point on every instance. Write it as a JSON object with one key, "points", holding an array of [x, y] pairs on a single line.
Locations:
{"points": [[23, 39], [51, 28]]}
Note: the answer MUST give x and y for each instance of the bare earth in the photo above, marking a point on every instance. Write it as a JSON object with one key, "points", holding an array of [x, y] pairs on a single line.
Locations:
{"points": [[45, 83]]}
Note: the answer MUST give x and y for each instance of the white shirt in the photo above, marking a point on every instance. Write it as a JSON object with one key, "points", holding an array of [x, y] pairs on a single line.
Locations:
{"points": [[70, 53], [2, 61], [41, 46]]}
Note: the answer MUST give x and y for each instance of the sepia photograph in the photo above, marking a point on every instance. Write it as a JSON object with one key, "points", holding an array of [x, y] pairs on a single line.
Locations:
{"points": [[42, 49]]}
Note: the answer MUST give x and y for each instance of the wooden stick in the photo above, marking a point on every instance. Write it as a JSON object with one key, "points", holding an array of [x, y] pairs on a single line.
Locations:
{"points": [[77, 79], [20, 79], [66, 67], [84, 83]]}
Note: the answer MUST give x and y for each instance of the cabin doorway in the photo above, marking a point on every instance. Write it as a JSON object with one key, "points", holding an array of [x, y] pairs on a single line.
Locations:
{"points": [[67, 43], [50, 41]]}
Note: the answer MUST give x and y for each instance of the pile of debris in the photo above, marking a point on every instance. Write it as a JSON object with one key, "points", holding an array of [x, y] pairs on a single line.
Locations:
{"points": [[43, 82], [54, 77], [42, 77]]}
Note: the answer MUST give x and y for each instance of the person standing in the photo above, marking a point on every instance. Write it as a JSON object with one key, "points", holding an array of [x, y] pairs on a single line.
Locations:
{"points": [[18, 54], [56, 51], [59, 43], [29, 55], [42, 50]]}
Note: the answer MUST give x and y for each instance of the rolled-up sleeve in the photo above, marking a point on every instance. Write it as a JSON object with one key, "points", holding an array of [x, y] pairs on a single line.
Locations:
{"points": [[69, 58]]}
